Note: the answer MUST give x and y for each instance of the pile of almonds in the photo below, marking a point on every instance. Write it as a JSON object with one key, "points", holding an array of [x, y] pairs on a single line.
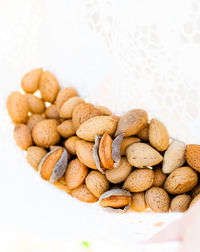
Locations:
{"points": [[93, 155]]}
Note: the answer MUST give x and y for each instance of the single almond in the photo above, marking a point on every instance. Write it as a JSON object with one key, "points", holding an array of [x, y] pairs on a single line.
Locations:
{"points": [[116, 201], [75, 174], [105, 151], [144, 133], [193, 156], [158, 135], [132, 122], [22, 135], [138, 203], [69, 105], [30, 81], [97, 183], [181, 180], [159, 177], [180, 203], [174, 156], [82, 112], [120, 173], [35, 155], [18, 108], [97, 125], [64, 95], [33, 120], [84, 152], [45, 133], [36, 105], [49, 87], [70, 144], [83, 194], [139, 180], [52, 112], [142, 155], [66, 129], [157, 199], [104, 111], [126, 142]]}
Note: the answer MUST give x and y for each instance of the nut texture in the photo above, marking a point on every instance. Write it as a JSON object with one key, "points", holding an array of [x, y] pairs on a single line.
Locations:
{"points": [[193, 156], [158, 135], [45, 133], [83, 194], [141, 155], [138, 202], [52, 112], [180, 203], [75, 174], [49, 87], [35, 155], [22, 135], [132, 122], [70, 144], [18, 108], [33, 120], [97, 125], [126, 142], [69, 105], [174, 156], [159, 177], [139, 180], [97, 183], [64, 95], [181, 180], [157, 199], [66, 129], [30, 81]]}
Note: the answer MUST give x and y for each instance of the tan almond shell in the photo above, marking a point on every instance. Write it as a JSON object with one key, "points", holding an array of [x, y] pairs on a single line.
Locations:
{"points": [[195, 191], [52, 112], [139, 180], [159, 177], [174, 156], [36, 104], [193, 156], [69, 105], [30, 81], [82, 112], [132, 122], [144, 133], [120, 173], [104, 111], [158, 135], [84, 152], [180, 203], [97, 183], [66, 129], [138, 203], [105, 151], [142, 155], [181, 180], [64, 95], [157, 199], [195, 200], [22, 136], [83, 194], [70, 144], [49, 87], [45, 133], [35, 155], [75, 173], [126, 142], [18, 108], [97, 125], [33, 120]]}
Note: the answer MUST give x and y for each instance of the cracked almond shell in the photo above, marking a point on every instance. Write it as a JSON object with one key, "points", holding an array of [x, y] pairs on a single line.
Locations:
{"points": [[95, 153], [105, 151], [116, 147]]}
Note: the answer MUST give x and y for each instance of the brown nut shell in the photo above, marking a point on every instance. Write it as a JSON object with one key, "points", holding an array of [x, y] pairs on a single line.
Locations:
{"points": [[181, 180], [49, 87], [84, 152], [104, 111], [120, 173], [68, 106], [75, 173], [144, 133], [159, 177], [138, 203], [139, 180], [45, 133], [97, 183], [105, 151], [142, 155], [64, 95], [33, 120], [82, 112], [18, 108], [22, 136], [157, 199], [126, 142], [132, 122], [158, 135], [193, 156], [30, 81], [66, 129], [36, 105], [83, 194], [180, 203], [35, 155], [70, 144], [97, 125], [52, 112]]}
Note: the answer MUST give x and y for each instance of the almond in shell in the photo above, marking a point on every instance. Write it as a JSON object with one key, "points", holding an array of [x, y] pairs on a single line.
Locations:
{"points": [[64, 95], [104, 111], [83, 194], [159, 177], [52, 112], [36, 105], [66, 129], [180, 203], [70, 144], [126, 142], [193, 156], [30, 81], [144, 133], [22, 136], [69, 105], [33, 120], [195, 200], [35, 155], [138, 203]]}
